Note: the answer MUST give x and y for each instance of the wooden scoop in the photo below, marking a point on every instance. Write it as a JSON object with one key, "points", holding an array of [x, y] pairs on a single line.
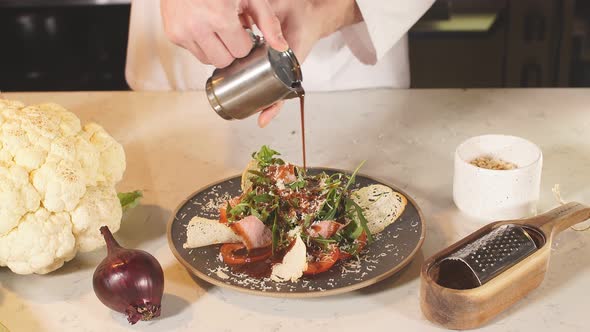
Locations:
{"points": [[461, 309]]}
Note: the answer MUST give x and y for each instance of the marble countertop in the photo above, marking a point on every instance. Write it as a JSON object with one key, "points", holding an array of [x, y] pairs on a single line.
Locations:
{"points": [[175, 144]]}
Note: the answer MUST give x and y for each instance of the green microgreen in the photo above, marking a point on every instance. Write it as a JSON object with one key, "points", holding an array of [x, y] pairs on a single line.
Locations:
{"points": [[275, 232], [266, 157]]}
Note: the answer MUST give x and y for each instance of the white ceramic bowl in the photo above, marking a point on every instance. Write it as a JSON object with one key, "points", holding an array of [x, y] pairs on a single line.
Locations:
{"points": [[498, 194]]}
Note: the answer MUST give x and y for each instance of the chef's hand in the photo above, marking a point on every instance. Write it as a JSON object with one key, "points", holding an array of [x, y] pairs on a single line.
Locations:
{"points": [[304, 22], [213, 30]]}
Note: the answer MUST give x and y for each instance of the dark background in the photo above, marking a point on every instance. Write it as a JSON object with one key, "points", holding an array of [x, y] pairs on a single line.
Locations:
{"points": [[81, 45]]}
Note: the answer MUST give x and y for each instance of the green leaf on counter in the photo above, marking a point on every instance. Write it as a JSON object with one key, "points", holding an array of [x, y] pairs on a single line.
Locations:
{"points": [[130, 200]]}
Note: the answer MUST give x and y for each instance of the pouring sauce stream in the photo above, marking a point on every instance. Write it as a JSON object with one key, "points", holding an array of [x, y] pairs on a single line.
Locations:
{"points": [[302, 111]]}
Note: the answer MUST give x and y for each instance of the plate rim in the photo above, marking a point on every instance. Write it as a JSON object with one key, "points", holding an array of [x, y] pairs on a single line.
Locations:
{"points": [[283, 294]]}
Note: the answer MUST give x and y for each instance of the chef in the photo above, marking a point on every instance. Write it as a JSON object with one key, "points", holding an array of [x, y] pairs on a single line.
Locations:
{"points": [[342, 44]]}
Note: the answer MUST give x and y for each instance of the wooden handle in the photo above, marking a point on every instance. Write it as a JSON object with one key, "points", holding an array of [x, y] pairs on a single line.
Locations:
{"points": [[560, 218], [467, 308]]}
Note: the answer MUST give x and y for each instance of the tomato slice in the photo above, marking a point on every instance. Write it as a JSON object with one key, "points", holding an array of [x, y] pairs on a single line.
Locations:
{"points": [[238, 254], [362, 241], [223, 214], [286, 172], [324, 261]]}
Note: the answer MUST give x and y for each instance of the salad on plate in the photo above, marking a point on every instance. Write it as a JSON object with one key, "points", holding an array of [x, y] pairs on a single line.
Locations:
{"points": [[289, 223]]}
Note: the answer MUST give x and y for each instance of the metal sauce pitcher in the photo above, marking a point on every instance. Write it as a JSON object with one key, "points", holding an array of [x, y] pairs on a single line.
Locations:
{"points": [[250, 84]]}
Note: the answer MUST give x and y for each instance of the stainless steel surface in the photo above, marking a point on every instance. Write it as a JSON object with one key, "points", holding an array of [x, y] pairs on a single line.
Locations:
{"points": [[493, 253], [254, 82]]}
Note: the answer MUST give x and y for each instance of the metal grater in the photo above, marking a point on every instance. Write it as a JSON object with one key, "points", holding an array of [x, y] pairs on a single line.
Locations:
{"points": [[493, 253]]}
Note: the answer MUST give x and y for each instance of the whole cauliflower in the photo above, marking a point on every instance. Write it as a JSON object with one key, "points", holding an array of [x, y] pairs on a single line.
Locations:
{"points": [[57, 186]]}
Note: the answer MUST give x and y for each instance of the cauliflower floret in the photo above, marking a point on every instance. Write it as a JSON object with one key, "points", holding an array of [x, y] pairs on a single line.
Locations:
{"points": [[78, 149], [17, 197], [61, 184], [5, 156], [15, 141], [49, 120], [28, 132], [112, 156], [57, 186], [30, 158], [6, 104], [69, 123], [41, 243], [8, 107], [99, 207], [14, 137]]}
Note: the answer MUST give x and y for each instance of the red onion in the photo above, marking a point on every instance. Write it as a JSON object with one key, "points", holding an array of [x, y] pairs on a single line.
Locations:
{"points": [[129, 281]]}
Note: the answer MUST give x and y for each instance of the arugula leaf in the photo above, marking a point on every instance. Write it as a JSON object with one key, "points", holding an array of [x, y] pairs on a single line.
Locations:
{"points": [[130, 200], [266, 157], [228, 214], [353, 176], [323, 240], [353, 231], [362, 220], [294, 202], [255, 172], [258, 178], [275, 233], [264, 154], [256, 214], [334, 209], [323, 243], [350, 248], [299, 184], [307, 221], [263, 198], [239, 209]]}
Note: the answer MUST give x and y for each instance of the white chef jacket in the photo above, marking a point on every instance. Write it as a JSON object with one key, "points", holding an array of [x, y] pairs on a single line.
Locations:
{"points": [[370, 54]]}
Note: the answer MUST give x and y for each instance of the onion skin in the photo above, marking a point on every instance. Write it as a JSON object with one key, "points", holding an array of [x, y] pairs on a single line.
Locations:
{"points": [[129, 281]]}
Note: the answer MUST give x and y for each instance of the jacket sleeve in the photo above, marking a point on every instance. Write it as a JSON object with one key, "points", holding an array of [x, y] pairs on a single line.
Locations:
{"points": [[385, 22]]}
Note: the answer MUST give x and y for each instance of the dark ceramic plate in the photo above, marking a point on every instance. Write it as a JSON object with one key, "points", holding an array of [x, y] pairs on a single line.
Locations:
{"points": [[392, 249]]}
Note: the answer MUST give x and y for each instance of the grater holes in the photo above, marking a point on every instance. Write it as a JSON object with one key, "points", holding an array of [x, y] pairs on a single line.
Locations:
{"points": [[489, 253]]}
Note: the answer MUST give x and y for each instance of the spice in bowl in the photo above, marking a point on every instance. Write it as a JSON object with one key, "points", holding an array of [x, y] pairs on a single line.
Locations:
{"points": [[489, 162], [497, 177]]}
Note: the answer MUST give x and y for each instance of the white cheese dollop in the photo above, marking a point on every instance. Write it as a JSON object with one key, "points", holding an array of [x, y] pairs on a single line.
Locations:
{"points": [[293, 265]]}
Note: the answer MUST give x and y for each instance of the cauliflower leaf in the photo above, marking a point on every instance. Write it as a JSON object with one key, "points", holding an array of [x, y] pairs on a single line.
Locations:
{"points": [[130, 200]]}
